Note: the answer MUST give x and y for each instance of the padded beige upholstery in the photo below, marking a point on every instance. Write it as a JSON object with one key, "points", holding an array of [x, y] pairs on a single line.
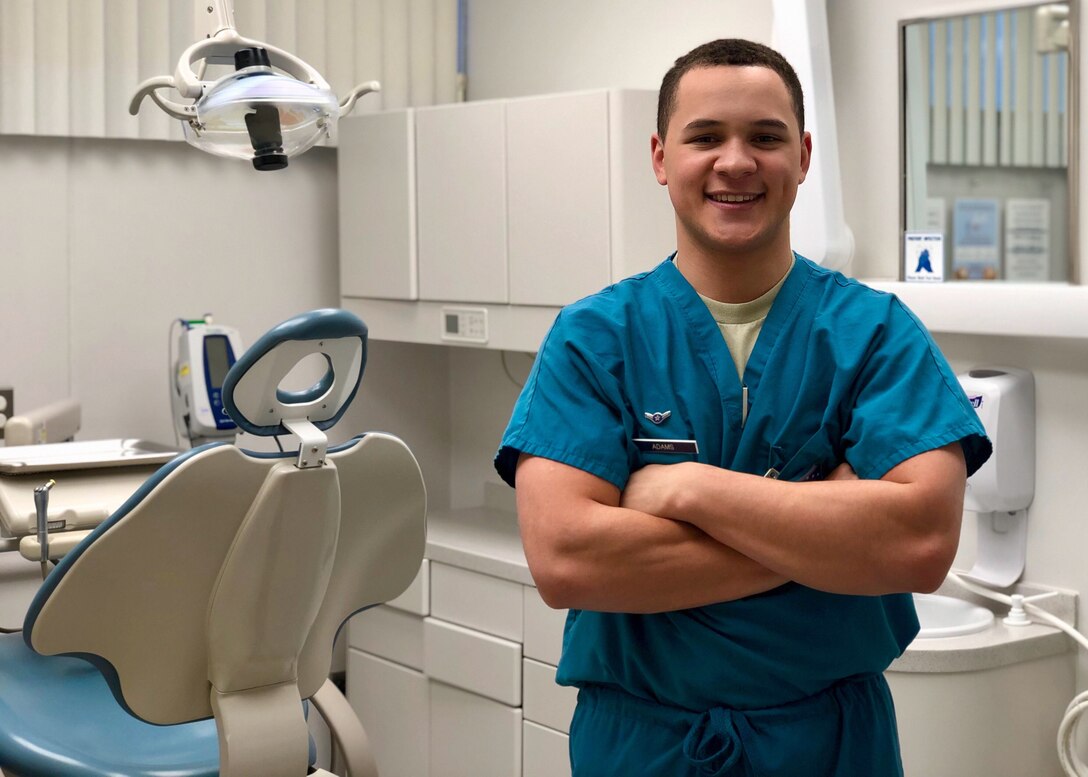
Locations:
{"points": [[237, 571]]}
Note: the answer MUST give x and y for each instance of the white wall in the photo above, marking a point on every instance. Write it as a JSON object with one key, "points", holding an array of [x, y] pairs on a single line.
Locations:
{"points": [[406, 392], [482, 392], [520, 47], [107, 241]]}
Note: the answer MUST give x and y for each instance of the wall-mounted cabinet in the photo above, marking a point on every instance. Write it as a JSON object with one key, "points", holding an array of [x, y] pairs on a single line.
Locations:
{"points": [[557, 195], [461, 202], [378, 222], [509, 205]]}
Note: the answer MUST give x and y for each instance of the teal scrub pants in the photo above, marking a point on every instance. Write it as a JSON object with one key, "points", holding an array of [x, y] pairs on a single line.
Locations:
{"points": [[847, 730]]}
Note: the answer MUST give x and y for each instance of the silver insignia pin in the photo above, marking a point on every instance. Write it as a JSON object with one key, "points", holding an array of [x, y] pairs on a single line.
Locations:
{"points": [[658, 418]]}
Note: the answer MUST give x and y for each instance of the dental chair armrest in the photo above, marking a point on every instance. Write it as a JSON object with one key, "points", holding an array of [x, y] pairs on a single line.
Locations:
{"points": [[349, 739], [60, 543]]}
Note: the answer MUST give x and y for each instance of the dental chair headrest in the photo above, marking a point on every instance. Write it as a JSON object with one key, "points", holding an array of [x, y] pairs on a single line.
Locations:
{"points": [[251, 392]]}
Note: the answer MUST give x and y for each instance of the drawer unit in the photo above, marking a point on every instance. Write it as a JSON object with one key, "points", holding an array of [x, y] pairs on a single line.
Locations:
{"points": [[545, 753], [471, 736], [543, 628], [456, 677], [472, 660], [477, 601], [393, 704], [391, 634], [543, 701], [417, 596]]}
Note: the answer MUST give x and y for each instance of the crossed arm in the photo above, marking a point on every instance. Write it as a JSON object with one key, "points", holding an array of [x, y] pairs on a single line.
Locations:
{"points": [[690, 534]]}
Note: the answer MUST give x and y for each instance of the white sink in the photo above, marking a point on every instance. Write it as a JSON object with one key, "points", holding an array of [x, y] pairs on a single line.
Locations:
{"points": [[945, 616]]}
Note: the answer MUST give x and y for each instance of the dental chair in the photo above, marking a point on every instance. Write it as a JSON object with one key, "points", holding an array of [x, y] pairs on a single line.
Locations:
{"points": [[184, 636]]}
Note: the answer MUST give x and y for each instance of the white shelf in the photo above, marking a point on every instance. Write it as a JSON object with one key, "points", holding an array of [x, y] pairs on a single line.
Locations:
{"points": [[996, 308], [963, 307], [510, 327]]}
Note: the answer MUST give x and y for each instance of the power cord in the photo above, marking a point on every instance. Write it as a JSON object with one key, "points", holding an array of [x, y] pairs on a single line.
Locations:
{"points": [[171, 377], [1020, 609], [509, 374]]}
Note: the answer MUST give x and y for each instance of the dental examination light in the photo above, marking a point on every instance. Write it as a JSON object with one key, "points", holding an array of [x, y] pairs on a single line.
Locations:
{"points": [[274, 106]]}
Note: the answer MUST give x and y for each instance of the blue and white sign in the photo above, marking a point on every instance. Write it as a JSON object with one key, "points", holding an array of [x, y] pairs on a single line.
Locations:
{"points": [[924, 257]]}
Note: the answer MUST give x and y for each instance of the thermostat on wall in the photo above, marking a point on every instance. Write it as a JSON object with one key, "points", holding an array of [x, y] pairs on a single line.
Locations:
{"points": [[466, 325]]}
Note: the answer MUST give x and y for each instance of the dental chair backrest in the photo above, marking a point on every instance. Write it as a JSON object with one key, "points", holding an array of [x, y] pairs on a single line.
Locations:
{"points": [[219, 587]]}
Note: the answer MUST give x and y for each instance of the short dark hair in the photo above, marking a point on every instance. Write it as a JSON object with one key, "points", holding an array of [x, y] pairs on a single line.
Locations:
{"points": [[724, 52]]}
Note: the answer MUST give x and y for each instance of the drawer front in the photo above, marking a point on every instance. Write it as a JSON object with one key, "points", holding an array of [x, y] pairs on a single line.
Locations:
{"points": [[545, 753], [392, 634], [417, 596], [543, 701], [393, 704], [472, 660], [472, 736], [477, 601], [543, 628]]}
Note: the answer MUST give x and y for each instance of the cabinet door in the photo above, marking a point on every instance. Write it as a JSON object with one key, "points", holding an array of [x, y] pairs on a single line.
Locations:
{"points": [[477, 601], [472, 660], [472, 736], [461, 175], [643, 224], [543, 701], [391, 634], [416, 598], [557, 158], [546, 753], [543, 628], [377, 206], [393, 704]]}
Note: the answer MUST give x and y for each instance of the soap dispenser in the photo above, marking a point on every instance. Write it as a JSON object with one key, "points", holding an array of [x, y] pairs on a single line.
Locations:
{"points": [[1002, 489]]}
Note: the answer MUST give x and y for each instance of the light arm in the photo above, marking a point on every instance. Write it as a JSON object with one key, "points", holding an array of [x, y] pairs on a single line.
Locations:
{"points": [[864, 537], [219, 46], [587, 552]]}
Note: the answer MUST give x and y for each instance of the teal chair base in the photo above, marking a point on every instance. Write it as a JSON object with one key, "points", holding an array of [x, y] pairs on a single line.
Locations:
{"points": [[61, 720]]}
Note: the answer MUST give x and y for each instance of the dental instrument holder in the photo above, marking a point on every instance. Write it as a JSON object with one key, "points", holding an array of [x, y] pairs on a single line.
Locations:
{"points": [[1001, 491], [41, 508]]}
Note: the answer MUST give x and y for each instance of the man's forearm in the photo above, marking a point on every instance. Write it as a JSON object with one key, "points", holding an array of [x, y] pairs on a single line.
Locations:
{"points": [[586, 552], [859, 537], [626, 561]]}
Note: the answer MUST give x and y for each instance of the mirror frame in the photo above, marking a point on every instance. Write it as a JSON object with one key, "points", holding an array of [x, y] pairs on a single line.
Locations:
{"points": [[1072, 103]]}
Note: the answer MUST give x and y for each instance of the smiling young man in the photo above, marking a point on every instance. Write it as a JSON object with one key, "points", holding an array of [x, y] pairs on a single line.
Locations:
{"points": [[724, 472]]}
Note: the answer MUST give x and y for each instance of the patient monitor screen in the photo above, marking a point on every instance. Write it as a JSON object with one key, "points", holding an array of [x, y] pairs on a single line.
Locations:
{"points": [[217, 359]]}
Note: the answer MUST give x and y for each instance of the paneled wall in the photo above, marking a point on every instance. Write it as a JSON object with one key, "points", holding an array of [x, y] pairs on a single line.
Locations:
{"points": [[71, 66]]}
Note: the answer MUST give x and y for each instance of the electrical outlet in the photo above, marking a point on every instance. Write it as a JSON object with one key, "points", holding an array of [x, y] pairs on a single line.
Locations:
{"points": [[7, 407]]}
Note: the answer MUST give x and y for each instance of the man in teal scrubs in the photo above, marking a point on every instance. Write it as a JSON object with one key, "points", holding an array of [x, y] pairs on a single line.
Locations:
{"points": [[734, 468]]}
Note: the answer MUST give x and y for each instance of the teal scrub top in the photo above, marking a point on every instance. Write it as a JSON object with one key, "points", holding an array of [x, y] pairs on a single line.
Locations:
{"points": [[840, 372]]}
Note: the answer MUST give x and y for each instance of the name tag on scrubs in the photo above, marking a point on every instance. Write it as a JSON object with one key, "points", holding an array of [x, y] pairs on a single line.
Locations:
{"points": [[654, 445]]}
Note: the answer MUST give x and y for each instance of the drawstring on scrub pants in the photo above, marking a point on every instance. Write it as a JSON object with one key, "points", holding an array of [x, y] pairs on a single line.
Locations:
{"points": [[715, 742]]}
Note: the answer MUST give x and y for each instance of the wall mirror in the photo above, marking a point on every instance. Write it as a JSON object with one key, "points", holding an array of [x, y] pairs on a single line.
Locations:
{"points": [[988, 145]]}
